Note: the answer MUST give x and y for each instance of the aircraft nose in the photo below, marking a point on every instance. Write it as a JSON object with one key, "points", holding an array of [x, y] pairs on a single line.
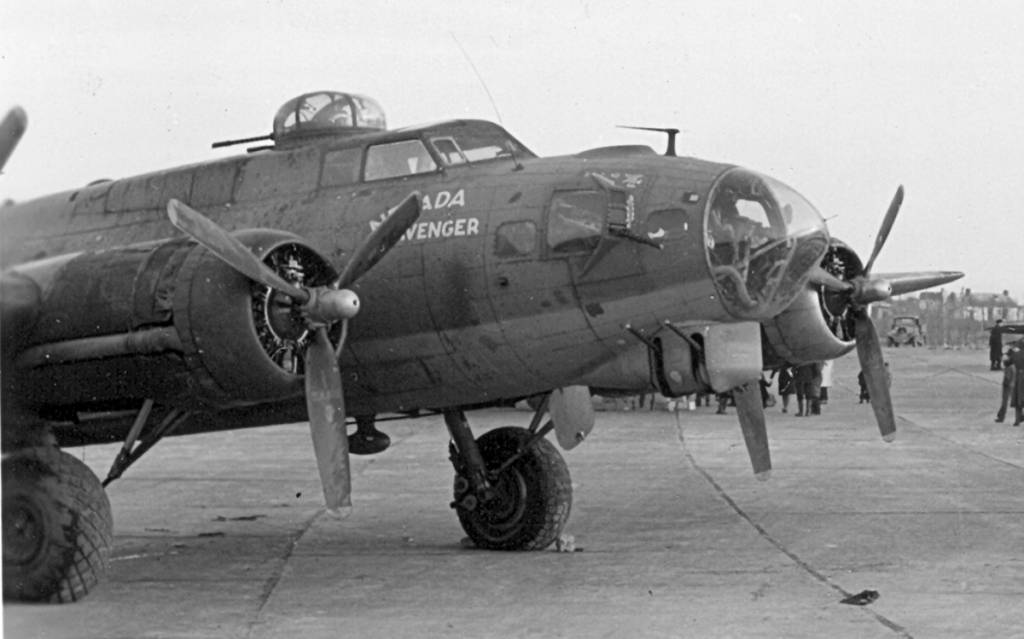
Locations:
{"points": [[762, 239]]}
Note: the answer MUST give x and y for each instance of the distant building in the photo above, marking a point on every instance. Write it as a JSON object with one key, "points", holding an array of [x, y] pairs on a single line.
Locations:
{"points": [[988, 307]]}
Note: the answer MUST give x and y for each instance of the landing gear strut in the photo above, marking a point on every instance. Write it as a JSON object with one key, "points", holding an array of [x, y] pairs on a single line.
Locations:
{"points": [[512, 488]]}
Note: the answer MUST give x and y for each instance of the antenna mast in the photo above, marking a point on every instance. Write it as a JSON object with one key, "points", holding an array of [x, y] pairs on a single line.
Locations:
{"points": [[478, 76]]}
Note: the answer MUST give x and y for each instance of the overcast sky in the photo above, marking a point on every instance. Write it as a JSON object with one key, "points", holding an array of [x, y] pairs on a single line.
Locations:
{"points": [[843, 101]]}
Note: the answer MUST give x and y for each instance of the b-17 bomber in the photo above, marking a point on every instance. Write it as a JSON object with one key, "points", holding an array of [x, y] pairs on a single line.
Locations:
{"points": [[340, 271]]}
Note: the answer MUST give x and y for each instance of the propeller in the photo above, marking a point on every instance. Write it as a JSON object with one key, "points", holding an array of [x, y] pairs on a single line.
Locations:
{"points": [[750, 410], [322, 306], [887, 222], [12, 127], [380, 241], [869, 352], [862, 290]]}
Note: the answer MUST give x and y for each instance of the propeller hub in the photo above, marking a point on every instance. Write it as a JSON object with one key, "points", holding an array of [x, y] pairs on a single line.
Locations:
{"points": [[869, 291], [328, 305]]}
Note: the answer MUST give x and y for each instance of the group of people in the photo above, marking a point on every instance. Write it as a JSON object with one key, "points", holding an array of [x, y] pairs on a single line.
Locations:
{"points": [[809, 382]]}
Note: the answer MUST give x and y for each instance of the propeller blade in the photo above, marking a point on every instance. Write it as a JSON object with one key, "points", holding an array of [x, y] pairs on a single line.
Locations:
{"points": [[751, 413], [382, 240], [869, 350], [887, 222], [325, 403], [910, 282], [821, 277], [11, 129], [228, 249]]}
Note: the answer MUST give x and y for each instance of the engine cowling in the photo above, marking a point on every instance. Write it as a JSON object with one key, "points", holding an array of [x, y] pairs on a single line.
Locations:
{"points": [[167, 320], [818, 325]]}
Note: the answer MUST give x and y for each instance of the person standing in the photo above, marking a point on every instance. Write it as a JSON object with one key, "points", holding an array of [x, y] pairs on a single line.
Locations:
{"points": [[723, 401], [785, 385], [767, 401], [826, 379], [801, 381], [1017, 393], [814, 397], [1009, 381], [865, 394], [807, 378], [995, 346]]}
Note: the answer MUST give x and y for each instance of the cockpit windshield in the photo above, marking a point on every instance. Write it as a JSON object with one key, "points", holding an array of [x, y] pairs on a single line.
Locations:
{"points": [[762, 237], [476, 141]]}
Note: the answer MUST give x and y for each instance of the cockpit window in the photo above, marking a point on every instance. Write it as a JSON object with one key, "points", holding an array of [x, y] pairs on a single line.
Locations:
{"points": [[761, 237], [576, 220], [341, 167], [449, 151], [475, 141], [397, 159]]}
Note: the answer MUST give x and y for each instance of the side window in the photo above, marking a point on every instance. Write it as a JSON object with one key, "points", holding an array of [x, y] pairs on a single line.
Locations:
{"points": [[341, 167], [668, 224], [515, 239], [449, 151], [576, 221], [397, 159]]}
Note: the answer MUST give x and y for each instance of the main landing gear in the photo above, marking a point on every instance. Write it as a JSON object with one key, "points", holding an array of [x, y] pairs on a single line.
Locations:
{"points": [[57, 526], [512, 487]]}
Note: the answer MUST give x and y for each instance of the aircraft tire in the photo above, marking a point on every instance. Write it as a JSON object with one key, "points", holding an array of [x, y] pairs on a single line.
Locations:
{"points": [[534, 494], [57, 526]]}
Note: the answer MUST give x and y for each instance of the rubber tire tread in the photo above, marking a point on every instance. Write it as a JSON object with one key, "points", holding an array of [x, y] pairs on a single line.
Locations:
{"points": [[550, 501], [79, 531]]}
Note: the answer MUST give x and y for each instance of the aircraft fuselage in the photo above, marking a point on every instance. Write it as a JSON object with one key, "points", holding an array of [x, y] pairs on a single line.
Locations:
{"points": [[521, 275]]}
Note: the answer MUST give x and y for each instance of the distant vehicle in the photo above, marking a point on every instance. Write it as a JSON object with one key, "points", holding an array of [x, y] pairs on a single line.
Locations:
{"points": [[1011, 329], [906, 331]]}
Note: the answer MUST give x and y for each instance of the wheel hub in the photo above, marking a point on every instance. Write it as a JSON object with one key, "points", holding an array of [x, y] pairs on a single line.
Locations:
{"points": [[507, 504], [22, 531]]}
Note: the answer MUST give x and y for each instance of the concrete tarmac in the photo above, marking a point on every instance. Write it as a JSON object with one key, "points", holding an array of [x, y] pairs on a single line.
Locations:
{"points": [[221, 536]]}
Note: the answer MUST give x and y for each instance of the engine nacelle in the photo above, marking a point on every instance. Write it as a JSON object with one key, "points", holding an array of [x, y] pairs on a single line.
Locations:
{"points": [[167, 320], [818, 325]]}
